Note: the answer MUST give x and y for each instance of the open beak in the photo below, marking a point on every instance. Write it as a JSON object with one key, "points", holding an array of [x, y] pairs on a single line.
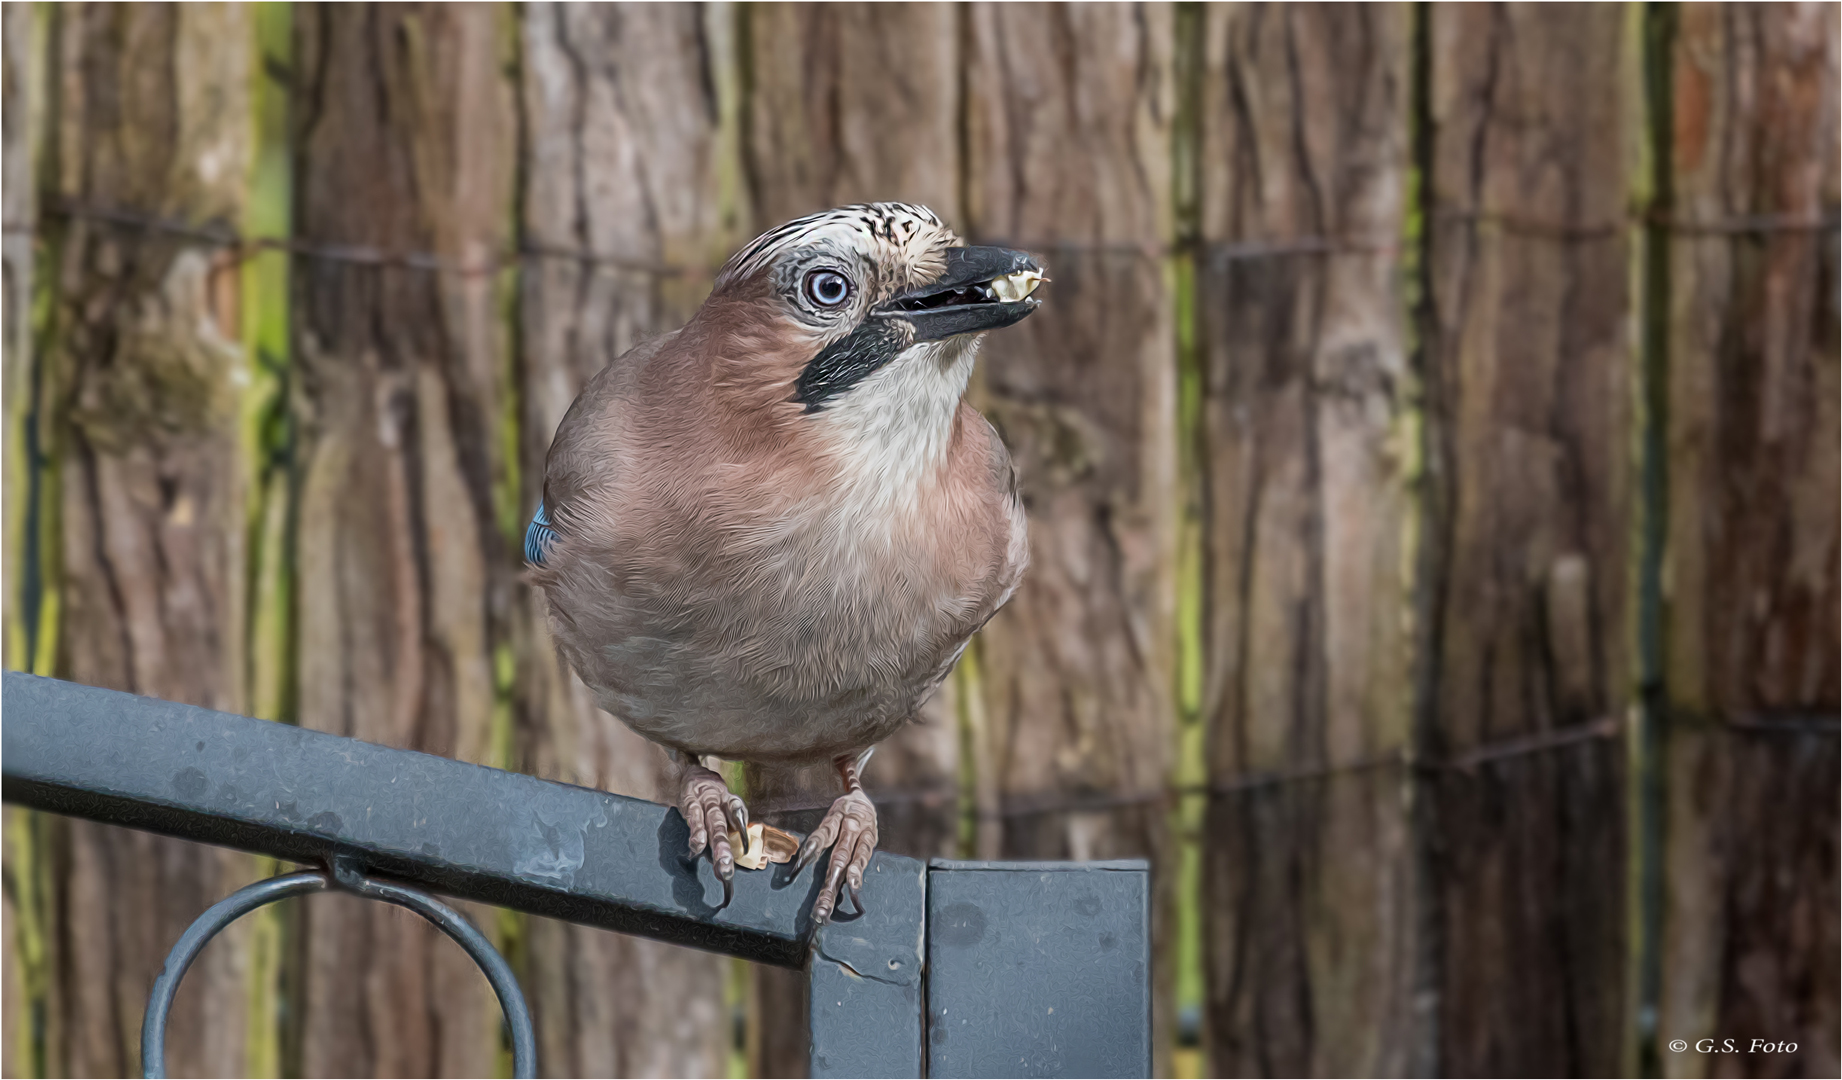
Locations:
{"points": [[983, 288]]}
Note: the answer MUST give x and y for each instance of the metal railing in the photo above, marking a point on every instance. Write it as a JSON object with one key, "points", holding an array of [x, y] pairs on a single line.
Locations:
{"points": [[1045, 965]]}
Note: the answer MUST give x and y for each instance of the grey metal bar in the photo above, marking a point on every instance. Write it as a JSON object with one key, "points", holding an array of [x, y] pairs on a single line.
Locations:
{"points": [[864, 985], [446, 826], [1038, 969]]}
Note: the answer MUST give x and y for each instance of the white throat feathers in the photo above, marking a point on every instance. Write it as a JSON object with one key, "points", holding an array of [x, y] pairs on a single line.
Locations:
{"points": [[890, 435]]}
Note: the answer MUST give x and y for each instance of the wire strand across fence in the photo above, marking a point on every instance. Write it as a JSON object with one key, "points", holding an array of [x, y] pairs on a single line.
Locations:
{"points": [[1466, 762], [240, 247]]}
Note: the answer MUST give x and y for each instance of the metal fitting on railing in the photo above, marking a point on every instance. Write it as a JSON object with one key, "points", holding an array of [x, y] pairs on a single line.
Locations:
{"points": [[345, 875]]}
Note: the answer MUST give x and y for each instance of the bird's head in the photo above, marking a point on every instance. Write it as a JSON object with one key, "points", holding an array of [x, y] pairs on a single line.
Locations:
{"points": [[876, 308]]}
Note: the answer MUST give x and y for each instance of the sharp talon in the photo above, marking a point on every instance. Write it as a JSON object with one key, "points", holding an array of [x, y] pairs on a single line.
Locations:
{"points": [[708, 808], [849, 831]]}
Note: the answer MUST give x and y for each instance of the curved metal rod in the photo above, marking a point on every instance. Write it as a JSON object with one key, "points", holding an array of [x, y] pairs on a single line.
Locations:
{"points": [[251, 897], [195, 938], [456, 926]]}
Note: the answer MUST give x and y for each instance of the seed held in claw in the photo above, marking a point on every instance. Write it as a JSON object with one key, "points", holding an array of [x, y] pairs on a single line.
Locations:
{"points": [[766, 844]]}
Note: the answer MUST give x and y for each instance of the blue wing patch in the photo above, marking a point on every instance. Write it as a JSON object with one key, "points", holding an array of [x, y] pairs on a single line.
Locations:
{"points": [[539, 538]]}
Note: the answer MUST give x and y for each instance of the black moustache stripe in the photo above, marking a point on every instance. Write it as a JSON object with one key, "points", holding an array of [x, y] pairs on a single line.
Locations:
{"points": [[845, 363]]}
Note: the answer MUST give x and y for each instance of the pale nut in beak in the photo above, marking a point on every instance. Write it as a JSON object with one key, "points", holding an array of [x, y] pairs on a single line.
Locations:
{"points": [[1014, 287]]}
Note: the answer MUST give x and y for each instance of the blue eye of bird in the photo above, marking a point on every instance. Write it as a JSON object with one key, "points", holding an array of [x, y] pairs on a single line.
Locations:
{"points": [[827, 288]]}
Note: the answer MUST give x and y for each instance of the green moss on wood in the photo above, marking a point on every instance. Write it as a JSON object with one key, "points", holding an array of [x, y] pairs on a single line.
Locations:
{"points": [[266, 448], [1191, 761], [1423, 547], [1653, 32]]}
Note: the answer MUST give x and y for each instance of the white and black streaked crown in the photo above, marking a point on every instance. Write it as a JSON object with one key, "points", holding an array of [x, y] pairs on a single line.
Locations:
{"points": [[892, 223]]}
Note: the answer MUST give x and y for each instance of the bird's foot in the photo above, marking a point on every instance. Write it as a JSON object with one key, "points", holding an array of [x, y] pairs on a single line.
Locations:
{"points": [[712, 811], [849, 829]]}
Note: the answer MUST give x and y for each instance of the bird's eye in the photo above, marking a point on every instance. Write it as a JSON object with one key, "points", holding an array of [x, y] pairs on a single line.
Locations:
{"points": [[827, 288]]}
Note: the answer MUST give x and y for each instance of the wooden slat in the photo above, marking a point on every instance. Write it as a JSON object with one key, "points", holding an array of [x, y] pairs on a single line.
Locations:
{"points": [[1751, 594], [24, 105], [1307, 457], [1068, 124], [853, 103], [1530, 379], [630, 151], [407, 144], [150, 113], [22, 974], [825, 131], [1069, 113]]}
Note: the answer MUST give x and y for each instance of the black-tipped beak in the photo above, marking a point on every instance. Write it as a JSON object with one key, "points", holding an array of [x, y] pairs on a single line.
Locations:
{"points": [[970, 296]]}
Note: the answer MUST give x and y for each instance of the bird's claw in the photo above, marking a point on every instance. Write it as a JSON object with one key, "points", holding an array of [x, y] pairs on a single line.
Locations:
{"points": [[849, 829], [808, 850], [738, 812], [710, 809]]}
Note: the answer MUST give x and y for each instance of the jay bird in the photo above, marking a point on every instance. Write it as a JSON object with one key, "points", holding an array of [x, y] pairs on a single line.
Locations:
{"points": [[767, 536]]}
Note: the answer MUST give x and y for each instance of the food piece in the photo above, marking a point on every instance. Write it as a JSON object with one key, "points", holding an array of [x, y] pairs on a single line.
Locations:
{"points": [[1014, 287], [780, 845], [766, 844]]}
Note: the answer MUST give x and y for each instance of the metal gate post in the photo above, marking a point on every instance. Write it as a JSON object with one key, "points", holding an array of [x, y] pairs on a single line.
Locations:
{"points": [[864, 983], [1039, 969], [1032, 969]]}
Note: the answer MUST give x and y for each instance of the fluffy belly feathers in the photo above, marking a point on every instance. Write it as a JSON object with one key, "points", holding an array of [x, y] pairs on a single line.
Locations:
{"points": [[799, 667]]}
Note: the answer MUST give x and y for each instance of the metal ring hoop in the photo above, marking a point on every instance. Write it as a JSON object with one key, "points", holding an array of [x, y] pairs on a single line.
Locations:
{"points": [[249, 898]]}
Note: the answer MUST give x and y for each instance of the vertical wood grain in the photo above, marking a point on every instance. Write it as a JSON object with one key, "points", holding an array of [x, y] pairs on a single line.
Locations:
{"points": [[23, 978], [1307, 456], [1068, 128], [1531, 360], [630, 152], [24, 106], [860, 103], [151, 116], [824, 131], [854, 103], [1750, 587], [407, 143], [1069, 115]]}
